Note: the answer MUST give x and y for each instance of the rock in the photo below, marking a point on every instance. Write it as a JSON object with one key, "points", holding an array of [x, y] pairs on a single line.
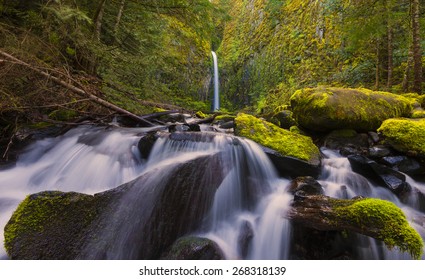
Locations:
{"points": [[283, 119], [374, 136], [227, 125], [282, 141], [346, 140], [376, 218], [244, 238], [404, 164], [291, 166], [379, 151], [326, 109], [194, 248], [146, 144], [405, 135], [306, 184], [114, 224], [381, 175]]}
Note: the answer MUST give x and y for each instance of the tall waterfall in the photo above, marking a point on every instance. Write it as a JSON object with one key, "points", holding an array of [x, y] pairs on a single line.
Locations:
{"points": [[216, 99]]}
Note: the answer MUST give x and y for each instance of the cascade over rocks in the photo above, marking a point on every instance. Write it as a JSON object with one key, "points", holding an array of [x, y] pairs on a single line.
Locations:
{"points": [[325, 109], [382, 175], [58, 225]]}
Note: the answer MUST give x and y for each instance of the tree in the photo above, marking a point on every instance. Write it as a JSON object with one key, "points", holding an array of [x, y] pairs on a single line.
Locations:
{"points": [[417, 53]]}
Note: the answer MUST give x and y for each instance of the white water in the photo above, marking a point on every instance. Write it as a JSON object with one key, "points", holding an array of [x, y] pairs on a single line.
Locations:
{"points": [[216, 99], [248, 216]]}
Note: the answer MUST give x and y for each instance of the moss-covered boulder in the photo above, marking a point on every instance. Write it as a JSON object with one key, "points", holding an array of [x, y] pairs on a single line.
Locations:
{"points": [[376, 218], [326, 108], [281, 140], [405, 135]]}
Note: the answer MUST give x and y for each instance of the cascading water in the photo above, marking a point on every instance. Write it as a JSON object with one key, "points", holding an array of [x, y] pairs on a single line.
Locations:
{"points": [[340, 181], [216, 99], [245, 216]]}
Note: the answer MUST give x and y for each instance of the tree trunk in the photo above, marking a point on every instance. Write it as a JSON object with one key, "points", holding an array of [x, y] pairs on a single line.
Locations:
{"points": [[98, 19], [119, 16], [407, 71], [390, 57], [417, 55], [377, 68]]}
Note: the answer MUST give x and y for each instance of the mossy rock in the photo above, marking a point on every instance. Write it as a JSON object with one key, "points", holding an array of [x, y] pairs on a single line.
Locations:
{"points": [[388, 220], [405, 135], [377, 218], [326, 109], [276, 138]]}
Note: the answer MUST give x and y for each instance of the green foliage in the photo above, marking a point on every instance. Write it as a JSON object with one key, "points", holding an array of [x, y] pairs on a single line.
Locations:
{"points": [[278, 139], [387, 219]]}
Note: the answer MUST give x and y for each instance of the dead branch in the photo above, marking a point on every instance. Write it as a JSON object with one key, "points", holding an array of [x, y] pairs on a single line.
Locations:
{"points": [[78, 90]]}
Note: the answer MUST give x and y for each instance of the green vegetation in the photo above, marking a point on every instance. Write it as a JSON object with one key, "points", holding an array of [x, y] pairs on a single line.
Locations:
{"points": [[326, 109], [405, 135], [387, 219], [283, 141]]}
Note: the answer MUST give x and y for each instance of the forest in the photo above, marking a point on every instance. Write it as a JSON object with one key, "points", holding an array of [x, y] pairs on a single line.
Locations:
{"points": [[107, 107]]}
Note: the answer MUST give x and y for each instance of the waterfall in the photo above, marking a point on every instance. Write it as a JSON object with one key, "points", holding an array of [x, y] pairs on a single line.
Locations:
{"points": [[216, 99], [243, 210]]}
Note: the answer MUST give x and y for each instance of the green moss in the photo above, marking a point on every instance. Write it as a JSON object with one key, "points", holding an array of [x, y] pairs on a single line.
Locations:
{"points": [[201, 115], [42, 214], [405, 135], [325, 109], [417, 114], [63, 115], [225, 118], [387, 218], [270, 135]]}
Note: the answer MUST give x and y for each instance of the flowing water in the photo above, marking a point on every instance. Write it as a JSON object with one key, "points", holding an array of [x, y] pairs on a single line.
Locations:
{"points": [[247, 217], [216, 99]]}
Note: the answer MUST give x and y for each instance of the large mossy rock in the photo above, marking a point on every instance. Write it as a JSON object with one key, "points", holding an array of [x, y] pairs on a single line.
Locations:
{"points": [[405, 135], [137, 220], [326, 109], [284, 142], [376, 218]]}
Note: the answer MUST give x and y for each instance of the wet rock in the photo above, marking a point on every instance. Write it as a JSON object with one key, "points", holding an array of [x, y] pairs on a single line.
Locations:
{"points": [[379, 174], [194, 248], [404, 164], [227, 125], [245, 238], [379, 151], [374, 136], [306, 184], [146, 144], [292, 167]]}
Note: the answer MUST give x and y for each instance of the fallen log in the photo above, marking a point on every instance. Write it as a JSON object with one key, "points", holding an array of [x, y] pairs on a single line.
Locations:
{"points": [[379, 219], [77, 90]]}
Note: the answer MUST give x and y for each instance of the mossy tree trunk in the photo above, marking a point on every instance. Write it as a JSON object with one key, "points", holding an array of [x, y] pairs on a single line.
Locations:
{"points": [[98, 19]]}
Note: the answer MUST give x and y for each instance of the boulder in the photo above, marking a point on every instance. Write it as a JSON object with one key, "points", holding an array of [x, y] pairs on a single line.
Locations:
{"points": [[404, 164], [307, 185], [405, 135], [381, 175], [326, 108], [282, 141], [346, 140], [194, 248], [283, 119], [137, 220], [376, 218]]}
